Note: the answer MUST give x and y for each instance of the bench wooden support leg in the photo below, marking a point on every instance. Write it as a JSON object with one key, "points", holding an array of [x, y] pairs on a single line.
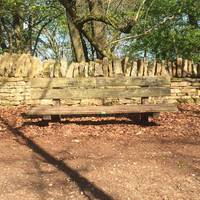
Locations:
{"points": [[56, 118], [144, 118], [46, 117]]}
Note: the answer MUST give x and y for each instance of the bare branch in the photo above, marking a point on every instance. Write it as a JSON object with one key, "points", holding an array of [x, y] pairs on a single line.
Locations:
{"points": [[144, 33], [139, 10]]}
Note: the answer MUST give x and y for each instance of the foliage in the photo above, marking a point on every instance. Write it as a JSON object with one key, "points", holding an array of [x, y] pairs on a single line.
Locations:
{"points": [[23, 25], [162, 29], [178, 37]]}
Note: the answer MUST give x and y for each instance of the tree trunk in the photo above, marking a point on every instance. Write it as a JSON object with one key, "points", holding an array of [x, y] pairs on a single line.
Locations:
{"points": [[3, 45], [17, 27], [98, 28], [76, 40], [75, 34]]}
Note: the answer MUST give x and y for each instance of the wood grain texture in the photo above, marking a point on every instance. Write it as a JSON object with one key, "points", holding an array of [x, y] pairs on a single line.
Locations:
{"points": [[95, 93], [92, 82], [87, 110]]}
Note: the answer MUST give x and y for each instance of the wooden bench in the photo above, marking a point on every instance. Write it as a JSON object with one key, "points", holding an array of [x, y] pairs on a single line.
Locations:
{"points": [[59, 89]]}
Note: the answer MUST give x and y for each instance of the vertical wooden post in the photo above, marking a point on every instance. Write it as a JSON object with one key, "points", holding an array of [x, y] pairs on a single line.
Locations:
{"points": [[144, 116], [56, 118]]}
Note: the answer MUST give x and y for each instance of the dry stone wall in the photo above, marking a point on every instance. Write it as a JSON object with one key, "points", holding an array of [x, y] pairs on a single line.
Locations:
{"points": [[17, 91], [18, 71], [24, 65]]}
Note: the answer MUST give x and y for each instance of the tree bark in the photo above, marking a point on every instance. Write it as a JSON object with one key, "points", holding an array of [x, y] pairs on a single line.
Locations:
{"points": [[17, 30], [3, 45], [98, 28], [76, 40]]}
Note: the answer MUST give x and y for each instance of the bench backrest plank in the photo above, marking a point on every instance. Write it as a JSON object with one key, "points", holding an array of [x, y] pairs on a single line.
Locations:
{"points": [[99, 88]]}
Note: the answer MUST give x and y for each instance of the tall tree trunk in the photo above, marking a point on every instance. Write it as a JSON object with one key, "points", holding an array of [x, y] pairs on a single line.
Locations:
{"points": [[17, 27], [76, 40], [30, 32], [98, 28], [75, 34], [3, 45]]}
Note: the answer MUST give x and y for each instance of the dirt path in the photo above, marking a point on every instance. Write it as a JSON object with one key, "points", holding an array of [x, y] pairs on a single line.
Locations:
{"points": [[107, 158]]}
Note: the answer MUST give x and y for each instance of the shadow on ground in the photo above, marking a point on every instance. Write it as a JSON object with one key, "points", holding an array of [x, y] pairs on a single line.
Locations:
{"points": [[129, 120], [90, 190]]}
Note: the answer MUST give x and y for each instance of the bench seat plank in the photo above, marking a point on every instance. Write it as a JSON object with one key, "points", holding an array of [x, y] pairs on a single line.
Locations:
{"points": [[90, 110]]}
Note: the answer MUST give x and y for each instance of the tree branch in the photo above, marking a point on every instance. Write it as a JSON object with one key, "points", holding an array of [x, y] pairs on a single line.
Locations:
{"points": [[144, 33]]}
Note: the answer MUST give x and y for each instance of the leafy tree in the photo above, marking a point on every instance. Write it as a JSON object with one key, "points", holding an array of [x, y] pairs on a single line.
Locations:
{"points": [[178, 37], [90, 29], [22, 24]]}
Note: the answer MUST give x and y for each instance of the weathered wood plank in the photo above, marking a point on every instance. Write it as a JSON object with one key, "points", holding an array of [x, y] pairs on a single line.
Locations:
{"points": [[92, 82], [80, 93], [87, 110]]}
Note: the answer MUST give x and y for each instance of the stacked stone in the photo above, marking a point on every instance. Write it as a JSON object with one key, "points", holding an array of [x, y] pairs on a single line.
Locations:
{"points": [[14, 91]]}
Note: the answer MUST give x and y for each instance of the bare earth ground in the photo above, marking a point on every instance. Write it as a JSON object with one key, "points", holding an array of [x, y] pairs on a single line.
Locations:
{"points": [[100, 158]]}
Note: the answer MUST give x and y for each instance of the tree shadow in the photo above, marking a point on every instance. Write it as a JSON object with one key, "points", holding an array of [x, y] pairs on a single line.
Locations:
{"points": [[89, 189], [131, 120]]}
